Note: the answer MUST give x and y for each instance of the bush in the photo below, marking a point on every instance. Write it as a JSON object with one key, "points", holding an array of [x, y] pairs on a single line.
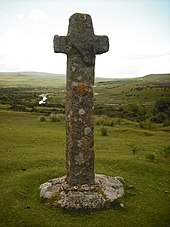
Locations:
{"points": [[105, 121], [135, 112], [162, 105], [104, 131], [56, 117], [41, 118], [159, 118], [18, 107]]}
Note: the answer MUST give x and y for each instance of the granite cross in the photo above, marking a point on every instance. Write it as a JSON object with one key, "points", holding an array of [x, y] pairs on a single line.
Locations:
{"points": [[81, 45]]}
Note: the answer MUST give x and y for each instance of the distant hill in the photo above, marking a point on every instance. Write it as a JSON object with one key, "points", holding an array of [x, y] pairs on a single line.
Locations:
{"points": [[150, 77], [157, 77], [29, 74], [41, 79], [31, 79]]}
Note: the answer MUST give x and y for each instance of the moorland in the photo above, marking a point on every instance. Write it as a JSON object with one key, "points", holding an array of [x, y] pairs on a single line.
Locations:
{"points": [[132, 129]]}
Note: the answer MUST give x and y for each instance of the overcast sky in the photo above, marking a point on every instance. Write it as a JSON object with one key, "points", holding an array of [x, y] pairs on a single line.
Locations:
{"points": [[138, 31]]}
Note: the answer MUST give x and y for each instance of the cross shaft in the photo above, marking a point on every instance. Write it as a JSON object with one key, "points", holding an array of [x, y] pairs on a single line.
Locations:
{"points": [[81, 46]]}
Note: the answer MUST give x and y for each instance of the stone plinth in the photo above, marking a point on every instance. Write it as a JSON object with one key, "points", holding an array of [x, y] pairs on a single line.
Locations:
{"points": [[83, 197]]}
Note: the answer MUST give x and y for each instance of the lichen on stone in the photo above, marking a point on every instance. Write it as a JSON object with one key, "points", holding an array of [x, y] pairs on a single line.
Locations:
{"points": [[87, 131], [81, 112], [79, 159]]}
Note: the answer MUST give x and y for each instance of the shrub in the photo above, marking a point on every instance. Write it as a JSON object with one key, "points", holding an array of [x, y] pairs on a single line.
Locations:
{"points": [[104, 131], [135, 112], [105, 121], [159, 118], [41, 118], [162, 105], [56, 117], [53, 117], [18, 107]]}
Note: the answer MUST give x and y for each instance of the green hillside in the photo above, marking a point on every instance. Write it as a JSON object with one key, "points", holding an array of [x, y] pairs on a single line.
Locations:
{"points": [[30, 79], [157, 77], [144, 90], [128, 98]]}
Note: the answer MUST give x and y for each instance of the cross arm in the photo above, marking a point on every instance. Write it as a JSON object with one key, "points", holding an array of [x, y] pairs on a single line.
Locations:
{"points": [[60, 44], [101, 44]]}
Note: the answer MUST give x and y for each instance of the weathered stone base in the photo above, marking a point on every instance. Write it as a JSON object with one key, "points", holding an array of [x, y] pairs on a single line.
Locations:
{"points": [[105, 190]]}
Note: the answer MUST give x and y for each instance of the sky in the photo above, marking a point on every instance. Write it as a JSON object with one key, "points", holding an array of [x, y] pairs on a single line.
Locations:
{"points": [[138, 31]]}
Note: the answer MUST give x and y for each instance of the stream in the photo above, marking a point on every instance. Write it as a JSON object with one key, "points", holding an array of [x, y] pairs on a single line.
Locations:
{"points": [[44, 98]]}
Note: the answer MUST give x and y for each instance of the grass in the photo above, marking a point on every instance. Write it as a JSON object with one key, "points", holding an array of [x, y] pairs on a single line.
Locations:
{"points": [[32, 152]]}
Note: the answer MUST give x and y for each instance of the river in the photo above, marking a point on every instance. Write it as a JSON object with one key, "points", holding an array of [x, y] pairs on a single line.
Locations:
{"points": [[44, 98]]}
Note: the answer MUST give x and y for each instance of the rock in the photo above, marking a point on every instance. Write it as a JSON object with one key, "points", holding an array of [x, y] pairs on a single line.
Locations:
{"points": [[58, 180], [122, 205], [111, 187], [49, 189], [131, 187], [85, 187], [120, 179]]}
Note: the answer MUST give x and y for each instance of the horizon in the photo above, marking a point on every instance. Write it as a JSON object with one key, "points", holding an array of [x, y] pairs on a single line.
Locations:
{"points": [[138, 32], [64, 75]]}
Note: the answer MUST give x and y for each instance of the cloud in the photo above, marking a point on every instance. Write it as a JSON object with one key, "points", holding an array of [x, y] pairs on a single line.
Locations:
{"points": [[20, 16], [148, 52], [149, 55], [12, 41], [8, 68], [37, 15]]}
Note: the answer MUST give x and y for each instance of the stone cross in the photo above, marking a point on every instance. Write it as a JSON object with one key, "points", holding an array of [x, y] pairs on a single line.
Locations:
{"points": [[81, 188], [81, 45]]}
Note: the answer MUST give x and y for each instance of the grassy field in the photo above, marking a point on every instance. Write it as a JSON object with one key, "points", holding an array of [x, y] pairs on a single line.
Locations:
{"points": [[31, 152]]}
